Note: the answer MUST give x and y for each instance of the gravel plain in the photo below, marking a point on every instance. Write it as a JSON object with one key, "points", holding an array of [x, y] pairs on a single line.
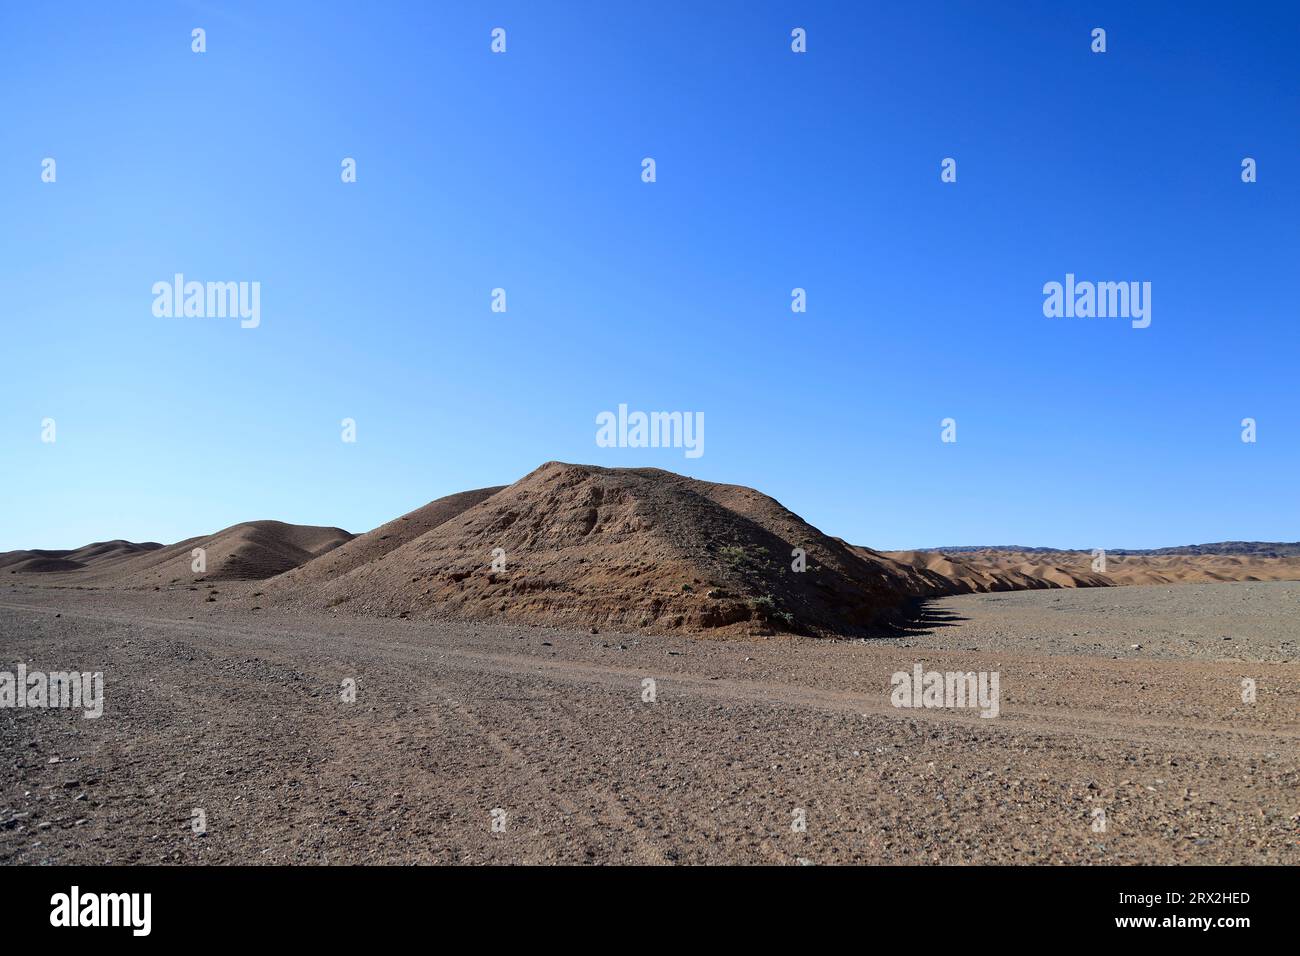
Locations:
{"points": [[475, 743]]}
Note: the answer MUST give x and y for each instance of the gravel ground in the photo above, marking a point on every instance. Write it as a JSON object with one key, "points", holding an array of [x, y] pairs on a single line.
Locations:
{"points": [[1240, 621], [212, 705]]}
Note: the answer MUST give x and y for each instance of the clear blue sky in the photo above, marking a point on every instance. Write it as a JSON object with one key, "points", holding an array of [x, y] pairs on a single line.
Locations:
{"points": [[775, 170]]}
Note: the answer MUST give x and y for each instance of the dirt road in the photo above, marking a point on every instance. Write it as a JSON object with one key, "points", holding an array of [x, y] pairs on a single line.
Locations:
{"points": [[489, 744]]}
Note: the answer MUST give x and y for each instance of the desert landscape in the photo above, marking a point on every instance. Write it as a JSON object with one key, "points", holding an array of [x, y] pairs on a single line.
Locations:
{"points": [[607, 665], [639, 548], [772, 436]]}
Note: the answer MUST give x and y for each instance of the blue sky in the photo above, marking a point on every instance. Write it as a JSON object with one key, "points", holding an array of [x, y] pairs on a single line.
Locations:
{"points": [[775, 170]]}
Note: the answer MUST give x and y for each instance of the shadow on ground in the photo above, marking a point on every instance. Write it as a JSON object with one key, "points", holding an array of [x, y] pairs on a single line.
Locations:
{"points": [[922, 618]]}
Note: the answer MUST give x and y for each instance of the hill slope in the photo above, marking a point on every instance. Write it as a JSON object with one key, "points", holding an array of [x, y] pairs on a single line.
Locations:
{"points": [[375, 544]]}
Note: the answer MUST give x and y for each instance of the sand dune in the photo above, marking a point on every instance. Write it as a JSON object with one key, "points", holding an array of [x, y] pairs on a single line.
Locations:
{"points": [[250, 550], [10, 560], [109, 550], [1258, 561], [39, 560], [43, 565]]}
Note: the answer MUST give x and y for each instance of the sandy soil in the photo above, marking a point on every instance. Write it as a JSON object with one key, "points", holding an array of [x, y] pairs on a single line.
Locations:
{"points": [[238, 712]]}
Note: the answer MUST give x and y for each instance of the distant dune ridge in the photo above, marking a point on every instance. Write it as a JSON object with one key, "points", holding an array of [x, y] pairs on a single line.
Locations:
{"points": [[1261, 549], [625, 549], [45, 560], [931, 574], [1001, 569], [246, 551]]}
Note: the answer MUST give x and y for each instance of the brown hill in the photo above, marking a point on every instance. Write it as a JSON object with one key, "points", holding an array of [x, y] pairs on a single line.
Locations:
{"points": [[618, 548], [40, 560], [251, 550], [109, 550], [11, 559], [40, 565]]}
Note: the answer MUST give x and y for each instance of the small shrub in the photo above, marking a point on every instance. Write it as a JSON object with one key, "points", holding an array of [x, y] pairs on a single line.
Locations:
{"points": [[733, 555]]}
